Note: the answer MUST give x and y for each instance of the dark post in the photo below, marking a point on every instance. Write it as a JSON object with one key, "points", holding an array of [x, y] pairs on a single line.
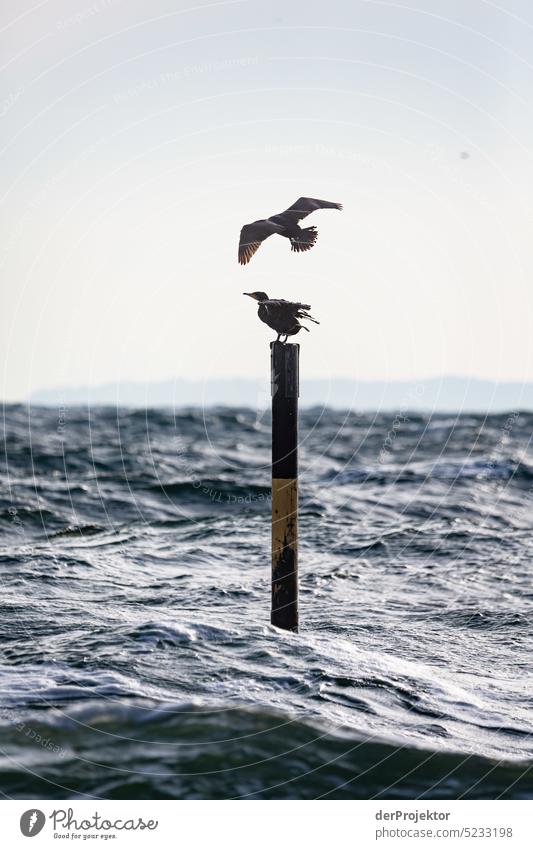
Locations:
{"points": [[285, 387]]}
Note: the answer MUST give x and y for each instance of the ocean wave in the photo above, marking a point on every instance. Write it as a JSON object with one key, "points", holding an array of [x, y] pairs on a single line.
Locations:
{"points": [[182, 751]]}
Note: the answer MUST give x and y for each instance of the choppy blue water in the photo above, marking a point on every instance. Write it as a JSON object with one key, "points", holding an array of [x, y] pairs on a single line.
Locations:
{"points": [[136, 655]]}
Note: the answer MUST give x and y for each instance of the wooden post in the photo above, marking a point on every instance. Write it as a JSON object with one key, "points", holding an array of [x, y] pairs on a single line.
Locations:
{"points": [[285, 389]]}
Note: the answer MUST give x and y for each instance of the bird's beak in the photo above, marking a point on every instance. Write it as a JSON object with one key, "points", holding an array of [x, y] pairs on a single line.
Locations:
{"points": [[249, 294]]}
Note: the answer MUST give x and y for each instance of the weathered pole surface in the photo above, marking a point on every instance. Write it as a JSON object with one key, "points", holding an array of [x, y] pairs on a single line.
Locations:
{"points": [[285, 389]]}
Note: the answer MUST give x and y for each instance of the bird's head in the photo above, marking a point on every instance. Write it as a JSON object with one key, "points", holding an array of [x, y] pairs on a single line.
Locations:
{"points": [[257, 296]]}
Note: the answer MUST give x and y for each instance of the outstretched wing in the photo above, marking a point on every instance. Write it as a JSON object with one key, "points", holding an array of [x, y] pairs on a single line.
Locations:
{"points": [[251, 237], [305, 206]]}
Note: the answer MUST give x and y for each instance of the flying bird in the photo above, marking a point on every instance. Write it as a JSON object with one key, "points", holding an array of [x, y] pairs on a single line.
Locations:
{"points": [[282, 316], [285, 224]]}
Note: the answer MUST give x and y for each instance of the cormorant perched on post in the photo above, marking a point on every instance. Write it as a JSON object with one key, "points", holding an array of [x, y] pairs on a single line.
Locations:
{"points": [[281, 316], [285, 224]]}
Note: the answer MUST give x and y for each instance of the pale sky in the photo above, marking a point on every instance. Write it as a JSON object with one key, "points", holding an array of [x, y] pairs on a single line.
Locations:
{"points": [[138, 137]]}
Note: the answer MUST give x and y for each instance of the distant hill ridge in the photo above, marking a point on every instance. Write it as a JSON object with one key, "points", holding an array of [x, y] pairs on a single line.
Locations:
{"points": [[440, 394]]}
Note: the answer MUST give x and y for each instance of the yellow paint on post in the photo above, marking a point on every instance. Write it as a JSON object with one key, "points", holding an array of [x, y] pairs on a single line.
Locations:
{"points": [[285, 553]]}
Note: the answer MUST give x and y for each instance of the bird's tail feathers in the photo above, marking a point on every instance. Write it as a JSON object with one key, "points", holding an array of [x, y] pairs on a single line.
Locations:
{"points": [[303, 314], [305, 239]]}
